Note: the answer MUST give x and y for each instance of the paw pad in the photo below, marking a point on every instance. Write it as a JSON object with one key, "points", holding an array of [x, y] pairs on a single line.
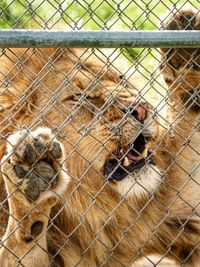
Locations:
{"points": [[36, 161]]}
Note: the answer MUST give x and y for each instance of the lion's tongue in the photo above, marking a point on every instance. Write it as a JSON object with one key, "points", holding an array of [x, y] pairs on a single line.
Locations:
{"points": [[131, 157]]}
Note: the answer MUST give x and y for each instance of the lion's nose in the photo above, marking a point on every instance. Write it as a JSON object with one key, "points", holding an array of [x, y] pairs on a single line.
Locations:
{"points": [[139, 111]]}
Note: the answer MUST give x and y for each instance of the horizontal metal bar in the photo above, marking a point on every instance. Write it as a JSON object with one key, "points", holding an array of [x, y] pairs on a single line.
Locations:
{"points": [[104, 39]]}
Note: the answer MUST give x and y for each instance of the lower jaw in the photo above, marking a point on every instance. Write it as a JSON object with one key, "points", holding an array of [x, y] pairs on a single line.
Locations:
{"points": [[119, 173], [140, 184]]}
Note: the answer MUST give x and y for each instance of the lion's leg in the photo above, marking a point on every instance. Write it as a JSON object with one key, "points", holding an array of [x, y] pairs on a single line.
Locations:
{"points": [[180, 66], [34, 178], [181, 70], [185, 249]]}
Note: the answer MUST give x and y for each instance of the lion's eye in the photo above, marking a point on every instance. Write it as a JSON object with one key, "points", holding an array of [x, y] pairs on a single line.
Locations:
{"points": [[167, 80], [122, 76]]}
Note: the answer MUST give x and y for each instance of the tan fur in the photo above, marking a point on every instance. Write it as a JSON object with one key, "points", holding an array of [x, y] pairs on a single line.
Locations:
{"points": [[98, 224]]}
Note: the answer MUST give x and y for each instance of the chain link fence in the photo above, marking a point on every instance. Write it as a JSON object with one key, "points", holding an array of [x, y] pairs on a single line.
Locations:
{"points": [[99, 148]]}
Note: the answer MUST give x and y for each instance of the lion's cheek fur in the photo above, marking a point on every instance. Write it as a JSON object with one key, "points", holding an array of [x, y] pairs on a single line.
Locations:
{"points": [[141, 184]]}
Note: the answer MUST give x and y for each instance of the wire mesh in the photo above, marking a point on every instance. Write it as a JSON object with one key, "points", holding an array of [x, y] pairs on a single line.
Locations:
{"points": [[99, 147]]}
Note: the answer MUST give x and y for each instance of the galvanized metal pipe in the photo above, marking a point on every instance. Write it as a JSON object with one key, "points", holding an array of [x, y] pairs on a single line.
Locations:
{"points": [[103, 39]]}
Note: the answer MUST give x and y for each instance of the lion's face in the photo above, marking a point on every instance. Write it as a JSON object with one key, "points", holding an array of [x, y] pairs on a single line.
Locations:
{"points": [[110, 132]]}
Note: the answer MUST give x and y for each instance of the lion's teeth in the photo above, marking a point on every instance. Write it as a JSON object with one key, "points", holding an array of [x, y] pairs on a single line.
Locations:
{"points": [[126, 162], [145, 153], [121, 151]]}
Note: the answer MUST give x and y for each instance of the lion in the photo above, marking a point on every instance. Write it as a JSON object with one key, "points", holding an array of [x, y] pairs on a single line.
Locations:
{"points": [[91, 177]]}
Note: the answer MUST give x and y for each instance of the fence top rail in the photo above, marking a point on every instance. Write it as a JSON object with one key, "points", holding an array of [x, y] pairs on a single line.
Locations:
{"points": [[100, 39]]}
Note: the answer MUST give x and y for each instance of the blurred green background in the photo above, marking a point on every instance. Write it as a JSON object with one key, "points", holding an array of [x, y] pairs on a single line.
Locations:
{"points": [[88, 14], [98, 15]]}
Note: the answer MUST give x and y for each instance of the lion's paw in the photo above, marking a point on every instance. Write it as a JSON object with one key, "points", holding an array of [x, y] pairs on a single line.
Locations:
{"points": [[34, 163]]}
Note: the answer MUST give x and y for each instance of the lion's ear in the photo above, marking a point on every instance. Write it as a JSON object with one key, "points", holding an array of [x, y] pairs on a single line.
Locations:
{"points": [[7, 99], [10, 96]]}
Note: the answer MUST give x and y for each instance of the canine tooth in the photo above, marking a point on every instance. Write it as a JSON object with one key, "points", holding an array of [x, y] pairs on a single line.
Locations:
{"points": [[145, 153], [126, 162]]}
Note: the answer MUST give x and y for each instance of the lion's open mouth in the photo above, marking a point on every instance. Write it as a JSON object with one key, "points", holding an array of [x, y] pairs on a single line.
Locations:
{"points": [[125, 161]]}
